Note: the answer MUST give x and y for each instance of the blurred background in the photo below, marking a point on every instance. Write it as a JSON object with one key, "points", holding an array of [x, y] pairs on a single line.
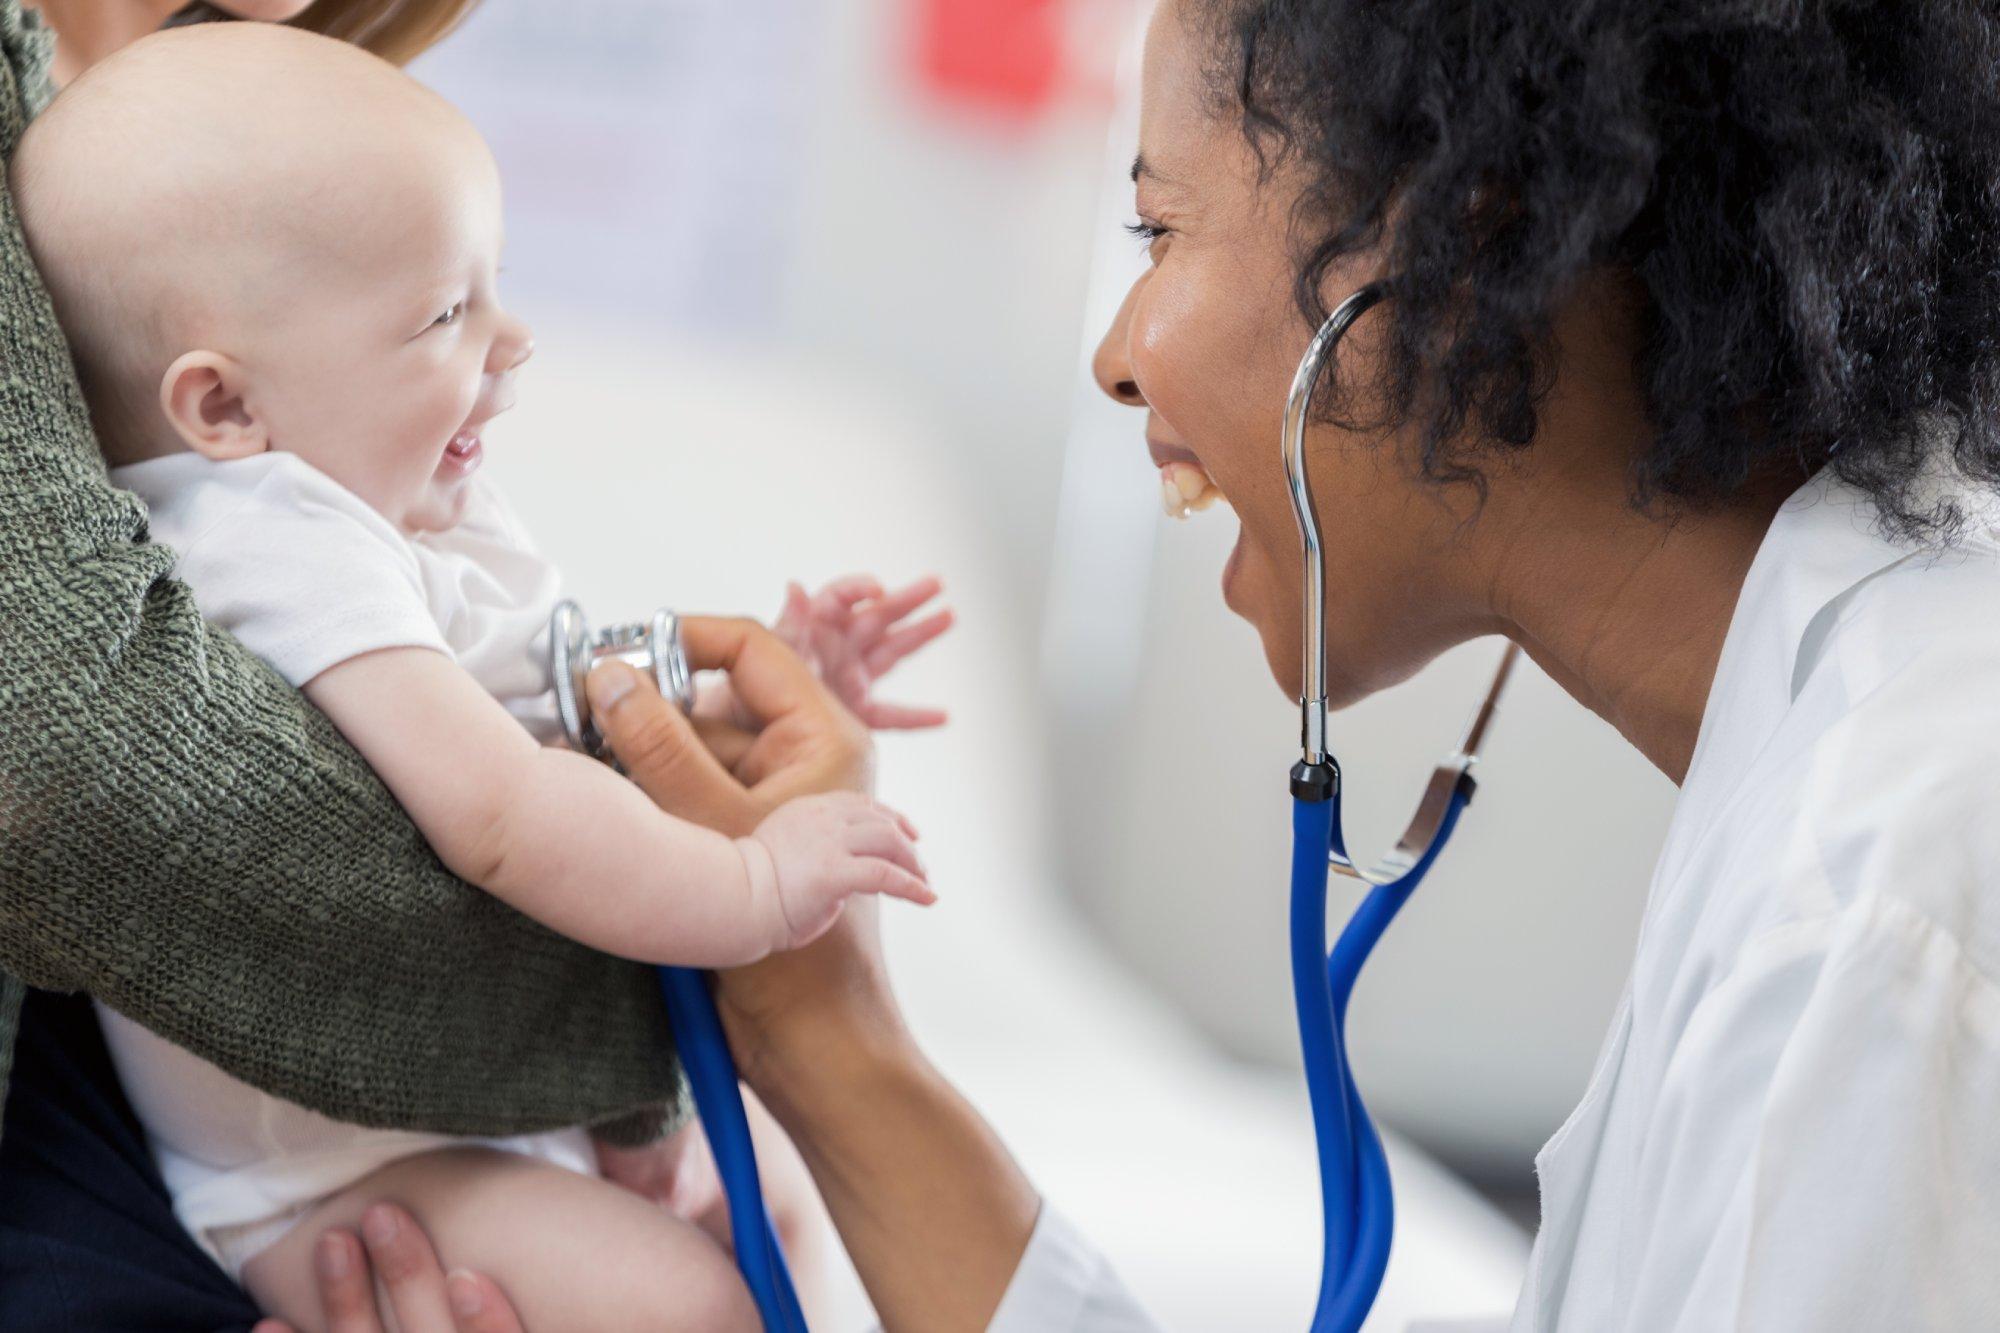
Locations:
{"points": [[815, 284]]}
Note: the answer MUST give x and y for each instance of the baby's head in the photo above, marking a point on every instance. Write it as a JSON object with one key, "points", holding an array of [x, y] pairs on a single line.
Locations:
{"points": [[258, 238]]}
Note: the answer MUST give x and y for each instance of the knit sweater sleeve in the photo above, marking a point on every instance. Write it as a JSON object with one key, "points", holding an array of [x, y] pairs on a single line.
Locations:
{"points": [[186, 839]]}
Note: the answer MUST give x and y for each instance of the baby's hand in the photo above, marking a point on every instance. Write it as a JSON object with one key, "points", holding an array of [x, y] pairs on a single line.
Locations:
{"points": [[824, 849], [853, 633]]}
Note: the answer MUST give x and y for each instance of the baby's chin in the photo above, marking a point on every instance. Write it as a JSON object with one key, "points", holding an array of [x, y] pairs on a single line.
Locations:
{"points": [[441, 509]]}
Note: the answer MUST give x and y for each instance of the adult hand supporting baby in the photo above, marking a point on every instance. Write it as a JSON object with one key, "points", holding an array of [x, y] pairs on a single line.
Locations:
{"points": [[415, 1289]]}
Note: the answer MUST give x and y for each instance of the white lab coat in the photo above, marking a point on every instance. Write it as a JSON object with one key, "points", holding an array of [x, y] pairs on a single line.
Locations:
{"points": [[1794, 1123]]}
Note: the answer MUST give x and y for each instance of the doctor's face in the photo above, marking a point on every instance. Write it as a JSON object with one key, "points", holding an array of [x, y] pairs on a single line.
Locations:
{"points": [[1207, 341]]}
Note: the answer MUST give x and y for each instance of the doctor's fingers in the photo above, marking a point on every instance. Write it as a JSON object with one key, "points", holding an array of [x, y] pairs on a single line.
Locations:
{"points": [[661, 752], [726, 740], [769, 679]]}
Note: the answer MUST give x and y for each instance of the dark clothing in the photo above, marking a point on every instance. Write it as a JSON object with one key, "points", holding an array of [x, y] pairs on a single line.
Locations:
{"points": [[88, 1240]]}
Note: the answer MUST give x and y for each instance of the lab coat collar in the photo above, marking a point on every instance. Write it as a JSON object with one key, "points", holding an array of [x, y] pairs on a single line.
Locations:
{"points": [[1824, 542], [1827, 540]]}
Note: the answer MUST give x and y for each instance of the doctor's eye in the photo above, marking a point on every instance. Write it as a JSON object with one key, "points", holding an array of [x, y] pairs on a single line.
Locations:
{"points": [[450, 316], [1145, 232]]}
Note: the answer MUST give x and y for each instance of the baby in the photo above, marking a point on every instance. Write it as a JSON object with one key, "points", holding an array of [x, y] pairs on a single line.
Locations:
{"points": [[275, 257]]}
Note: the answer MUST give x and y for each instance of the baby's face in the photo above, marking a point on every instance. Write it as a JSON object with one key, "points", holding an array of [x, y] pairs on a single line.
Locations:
{"points": [[387, 348]]}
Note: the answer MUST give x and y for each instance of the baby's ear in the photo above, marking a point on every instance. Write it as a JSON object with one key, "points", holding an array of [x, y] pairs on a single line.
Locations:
{"points": [[204, 394]]}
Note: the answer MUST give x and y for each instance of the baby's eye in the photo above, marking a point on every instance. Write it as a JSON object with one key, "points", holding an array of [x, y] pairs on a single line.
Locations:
{"points": [[450, 316]]}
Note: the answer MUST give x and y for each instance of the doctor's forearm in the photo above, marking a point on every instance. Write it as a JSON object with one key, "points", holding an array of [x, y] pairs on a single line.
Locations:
{"points": [[932, 1208]]}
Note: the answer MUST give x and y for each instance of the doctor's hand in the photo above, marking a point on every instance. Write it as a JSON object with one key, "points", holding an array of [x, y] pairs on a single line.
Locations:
{"points": [[714, 771], [931, 1208]]}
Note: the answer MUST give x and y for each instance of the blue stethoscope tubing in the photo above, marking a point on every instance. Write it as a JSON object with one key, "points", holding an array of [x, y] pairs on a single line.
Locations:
{"points": [[1355, 1195], [718, 1099]]}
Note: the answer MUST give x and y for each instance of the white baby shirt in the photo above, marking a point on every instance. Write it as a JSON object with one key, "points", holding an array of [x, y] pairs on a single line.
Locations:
{"points": [[307, 576]]}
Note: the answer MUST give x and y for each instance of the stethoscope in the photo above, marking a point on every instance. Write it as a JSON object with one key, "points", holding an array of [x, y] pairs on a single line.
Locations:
{"points": [[1353, 1172], [655, 648], [1355, 1196]]}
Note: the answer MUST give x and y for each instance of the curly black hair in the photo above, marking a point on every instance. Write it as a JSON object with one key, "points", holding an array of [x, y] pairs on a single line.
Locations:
{"points": [[1805, 194]]}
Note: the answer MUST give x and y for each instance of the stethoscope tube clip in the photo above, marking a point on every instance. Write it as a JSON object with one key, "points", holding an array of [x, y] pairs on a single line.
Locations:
{"points": [[1315, 782]]}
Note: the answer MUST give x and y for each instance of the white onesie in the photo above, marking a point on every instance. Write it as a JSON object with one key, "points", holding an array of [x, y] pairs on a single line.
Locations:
{"points": [[307, 576]]}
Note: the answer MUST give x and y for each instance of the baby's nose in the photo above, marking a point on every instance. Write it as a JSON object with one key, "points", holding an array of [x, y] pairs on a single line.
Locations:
{"points": [[514, 345]]}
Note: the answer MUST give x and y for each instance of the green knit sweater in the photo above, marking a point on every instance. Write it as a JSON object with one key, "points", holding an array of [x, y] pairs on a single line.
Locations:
{"points": [[183, 837]]}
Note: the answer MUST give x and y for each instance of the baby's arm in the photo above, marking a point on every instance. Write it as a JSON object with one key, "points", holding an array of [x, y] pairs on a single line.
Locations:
{"points": [[567, 841]]}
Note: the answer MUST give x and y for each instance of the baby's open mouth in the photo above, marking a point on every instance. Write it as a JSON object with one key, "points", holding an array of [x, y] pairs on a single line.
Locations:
{"points": [[463, 453], [1186, 488]]}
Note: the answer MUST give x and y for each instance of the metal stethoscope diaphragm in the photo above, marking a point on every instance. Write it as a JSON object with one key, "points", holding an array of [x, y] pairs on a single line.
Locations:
{"points": [[653, 647]]}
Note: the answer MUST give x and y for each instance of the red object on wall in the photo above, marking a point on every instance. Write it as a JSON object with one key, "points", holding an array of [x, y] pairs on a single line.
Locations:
{"points": [[1000, 55]]}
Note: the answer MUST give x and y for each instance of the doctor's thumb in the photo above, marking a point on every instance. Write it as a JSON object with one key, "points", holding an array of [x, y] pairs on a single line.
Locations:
{"points": [[661, 752]]}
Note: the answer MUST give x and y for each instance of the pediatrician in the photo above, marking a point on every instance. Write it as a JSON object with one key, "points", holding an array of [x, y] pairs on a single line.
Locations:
{"points": [[1686, 382]]}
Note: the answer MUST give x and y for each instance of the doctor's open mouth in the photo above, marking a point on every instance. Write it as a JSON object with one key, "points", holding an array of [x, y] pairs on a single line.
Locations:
{"points": [[1185, 486]]}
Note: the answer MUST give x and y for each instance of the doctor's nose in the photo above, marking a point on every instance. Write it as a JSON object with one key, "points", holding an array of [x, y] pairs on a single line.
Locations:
{"points": [[1111, 366]]}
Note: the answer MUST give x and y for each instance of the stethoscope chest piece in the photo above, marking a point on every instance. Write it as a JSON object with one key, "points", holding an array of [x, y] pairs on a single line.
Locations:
{"points": [[653, 647]]}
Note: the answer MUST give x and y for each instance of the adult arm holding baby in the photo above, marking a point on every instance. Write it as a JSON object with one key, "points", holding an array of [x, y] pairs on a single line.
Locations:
{"points": [[169, 807]]}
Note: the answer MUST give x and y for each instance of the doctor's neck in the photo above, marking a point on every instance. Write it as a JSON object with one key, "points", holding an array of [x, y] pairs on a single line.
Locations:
{"points": [[1625, 608]]}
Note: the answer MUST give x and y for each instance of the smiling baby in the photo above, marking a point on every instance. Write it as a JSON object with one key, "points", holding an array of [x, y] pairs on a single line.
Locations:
{"points": [[275, 257]]}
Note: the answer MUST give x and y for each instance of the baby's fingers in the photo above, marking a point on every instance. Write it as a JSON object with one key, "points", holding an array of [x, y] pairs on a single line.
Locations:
{"points": [[871, 620], [886, 841], [901, 717], [850, 589], [900, 643], [873, 875], [792, 618]]}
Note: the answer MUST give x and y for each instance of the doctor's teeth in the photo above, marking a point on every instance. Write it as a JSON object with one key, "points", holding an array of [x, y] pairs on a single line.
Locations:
{"points": [[1186, 489]]}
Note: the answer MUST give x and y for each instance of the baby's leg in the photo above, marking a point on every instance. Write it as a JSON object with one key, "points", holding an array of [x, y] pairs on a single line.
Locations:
{"points": [[570, 1251]]}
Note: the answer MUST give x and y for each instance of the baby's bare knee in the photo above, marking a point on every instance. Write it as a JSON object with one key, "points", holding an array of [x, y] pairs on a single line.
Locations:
{"points": [[671, 1276]]}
